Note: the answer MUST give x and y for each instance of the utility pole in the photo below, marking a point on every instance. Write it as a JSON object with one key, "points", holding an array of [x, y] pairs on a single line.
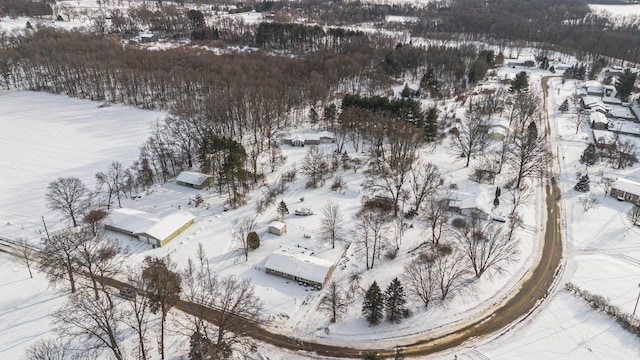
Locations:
{"points": [[638, 299], [47, 231]]}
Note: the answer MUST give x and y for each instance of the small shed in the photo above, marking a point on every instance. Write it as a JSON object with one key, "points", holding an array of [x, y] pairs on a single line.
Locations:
{"points": [[598, 121], [277, 228], [148, 37], [604, 139], [627, 190], [193, 179], [299, 264]]}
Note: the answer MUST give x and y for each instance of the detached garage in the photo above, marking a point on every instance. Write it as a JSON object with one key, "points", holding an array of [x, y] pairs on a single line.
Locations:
{"points": [[148, 227], [299, 264], [195, 180]]}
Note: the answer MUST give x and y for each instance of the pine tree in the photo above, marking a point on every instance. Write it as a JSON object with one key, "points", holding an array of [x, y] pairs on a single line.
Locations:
{"points": [[496, 199], [373, 304], [625, 83], [520, 83], [431, 124], [395, 301], [589, 156], [282, 209], [583, 183], [564, 107]]}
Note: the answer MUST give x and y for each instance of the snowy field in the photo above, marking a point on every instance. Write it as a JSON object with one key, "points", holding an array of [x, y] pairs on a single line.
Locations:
{"points": [[617, 10]]}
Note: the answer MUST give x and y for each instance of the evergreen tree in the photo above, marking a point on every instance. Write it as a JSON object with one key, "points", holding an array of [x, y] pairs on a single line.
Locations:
{"points": [[564, 107], [431, 124], [330, 114], [625, 84], [583, 183], [373, 304], [395, 301], [589, 156], [253, 240], [520, 83], [282, 209], [496, 199], [313, 116], [371, 355]]}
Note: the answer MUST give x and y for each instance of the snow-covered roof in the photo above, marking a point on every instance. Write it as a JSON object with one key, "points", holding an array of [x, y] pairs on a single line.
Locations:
{"points": [[169, 224], [598, 117], [277, 224], [300, 262], [628, 186], [604, 137], [140, 222], [192, 177], [131, 220]]}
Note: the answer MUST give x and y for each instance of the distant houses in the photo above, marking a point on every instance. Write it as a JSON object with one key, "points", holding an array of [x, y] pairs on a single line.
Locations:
{"points": [[309, 138], [149, 227], [626, 190], [195, 180], [299, 264]]}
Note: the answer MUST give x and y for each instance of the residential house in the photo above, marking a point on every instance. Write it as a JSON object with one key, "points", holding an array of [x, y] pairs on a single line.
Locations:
{"points": [[299, 264], [627, 190]]}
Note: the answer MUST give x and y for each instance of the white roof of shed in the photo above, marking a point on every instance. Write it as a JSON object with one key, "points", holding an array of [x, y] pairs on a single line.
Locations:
{"points": [[628, 186], [277, 224], [169, 224], [598, 117], [300, 262], [131, 220], [140, 222], [191, 177]]}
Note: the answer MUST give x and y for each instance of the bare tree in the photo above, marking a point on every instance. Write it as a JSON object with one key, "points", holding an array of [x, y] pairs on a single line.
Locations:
{"points": [[114, 180], [332, 220], [94, 218], [315, 166], [334, 301], [472, 137], [58, 257], [425, 179], [634, 214], [435, 214], [393, 160], [450, 270], [626, 153], [581, 118], [137, 314], [97, 257], [421, 280], [519, 197], [241, 232], [97, 321], [49, 349], [588, 201], [235, 298], [163, 287], [485, 245], [27, 255], [527, 153], [371, 230], [69, 196]]}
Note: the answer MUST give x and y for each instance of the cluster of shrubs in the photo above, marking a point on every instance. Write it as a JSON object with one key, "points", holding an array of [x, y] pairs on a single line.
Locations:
{"points": [[599, 302]]}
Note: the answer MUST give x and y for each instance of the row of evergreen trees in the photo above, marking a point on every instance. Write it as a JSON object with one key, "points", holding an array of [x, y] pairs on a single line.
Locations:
{"points": [[392, 303]]}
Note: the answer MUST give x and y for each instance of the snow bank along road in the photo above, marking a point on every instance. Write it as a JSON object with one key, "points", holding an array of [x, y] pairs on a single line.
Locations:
{"points": [[532, 290]]}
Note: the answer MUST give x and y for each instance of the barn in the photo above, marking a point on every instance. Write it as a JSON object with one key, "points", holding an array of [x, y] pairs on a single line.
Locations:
{"points": [[148, 227], [193, 179], [299, 264]]}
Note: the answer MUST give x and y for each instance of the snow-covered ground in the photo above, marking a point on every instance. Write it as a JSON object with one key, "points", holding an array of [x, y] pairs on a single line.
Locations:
{"points": [[617, 10]]}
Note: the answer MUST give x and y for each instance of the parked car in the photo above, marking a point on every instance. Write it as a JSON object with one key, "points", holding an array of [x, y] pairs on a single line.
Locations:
{"points": [[128, 293], [303, 211]]}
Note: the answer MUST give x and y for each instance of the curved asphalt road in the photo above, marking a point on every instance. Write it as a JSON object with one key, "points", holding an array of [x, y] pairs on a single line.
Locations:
{"points": [[533, 289]]}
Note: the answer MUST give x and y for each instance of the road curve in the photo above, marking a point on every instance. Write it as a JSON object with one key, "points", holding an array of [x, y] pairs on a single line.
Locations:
{"points": [[532, 290]]}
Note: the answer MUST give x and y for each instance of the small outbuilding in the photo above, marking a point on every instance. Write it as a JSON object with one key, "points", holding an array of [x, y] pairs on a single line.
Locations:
{"points": [[277, 228], [193, 179], [627, 190], [299, 264]]}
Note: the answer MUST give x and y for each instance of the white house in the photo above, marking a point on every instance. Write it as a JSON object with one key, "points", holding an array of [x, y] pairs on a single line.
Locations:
{"points": [[149, 227], [299, 264]]}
